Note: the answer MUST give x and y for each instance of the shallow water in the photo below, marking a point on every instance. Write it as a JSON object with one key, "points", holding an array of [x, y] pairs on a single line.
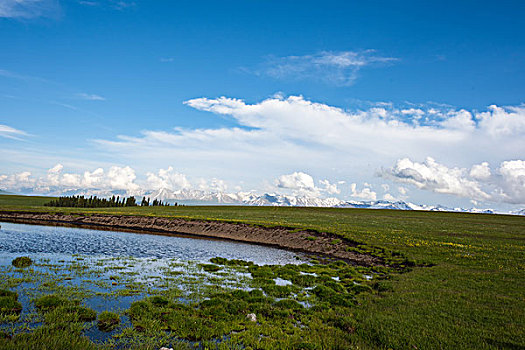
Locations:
{"points": [[95, 265], [17, 239]]}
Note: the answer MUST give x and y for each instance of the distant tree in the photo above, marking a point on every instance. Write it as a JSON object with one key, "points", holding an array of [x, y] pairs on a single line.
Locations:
{"points": [[91, 202], [131, 202]]}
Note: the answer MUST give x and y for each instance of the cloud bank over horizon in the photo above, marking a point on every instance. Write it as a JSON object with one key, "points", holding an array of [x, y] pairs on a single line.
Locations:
{"points": [[281, 144], [480, 184]]}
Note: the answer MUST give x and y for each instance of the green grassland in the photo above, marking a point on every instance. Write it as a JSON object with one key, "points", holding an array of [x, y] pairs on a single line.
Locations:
{"points": [[472, 297]]}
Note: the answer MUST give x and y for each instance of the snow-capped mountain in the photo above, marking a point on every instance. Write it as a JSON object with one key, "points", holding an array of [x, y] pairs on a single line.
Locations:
{"points": [[519, 212], [188, 196], [201, 197], [381, 204], [241, 198]]}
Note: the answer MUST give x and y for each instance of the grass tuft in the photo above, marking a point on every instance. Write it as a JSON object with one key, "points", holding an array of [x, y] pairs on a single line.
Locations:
{"points": [[22, 261]]}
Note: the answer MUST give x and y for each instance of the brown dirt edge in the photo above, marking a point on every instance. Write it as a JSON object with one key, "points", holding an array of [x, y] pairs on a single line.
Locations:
{"points": [[282, 237]]}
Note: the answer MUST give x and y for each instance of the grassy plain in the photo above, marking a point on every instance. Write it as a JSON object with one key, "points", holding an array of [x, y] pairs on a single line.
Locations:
{"points": [[471, 298]]}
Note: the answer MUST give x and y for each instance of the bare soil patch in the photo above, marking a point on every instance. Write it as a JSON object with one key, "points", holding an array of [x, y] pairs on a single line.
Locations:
{"points": [[308, 241]]}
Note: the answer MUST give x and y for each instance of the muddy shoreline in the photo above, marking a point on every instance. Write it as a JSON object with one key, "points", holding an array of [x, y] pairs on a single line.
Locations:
{"points": [[298, 240]]}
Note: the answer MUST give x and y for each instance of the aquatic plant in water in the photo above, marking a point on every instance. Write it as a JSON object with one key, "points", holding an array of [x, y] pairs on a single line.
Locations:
{"points": [[22, 261], [107, 321]]}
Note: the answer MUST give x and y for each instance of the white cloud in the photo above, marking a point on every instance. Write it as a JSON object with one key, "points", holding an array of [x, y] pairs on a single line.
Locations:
{"points": [[303, 184], [331, 188], [94, 179], [459, 120], [17, 181], [501, 122], [11, 133], [28, 8], [281, 134], [168, 179], [436, 177], [296, 119], [114, 4], [299, 182], [214, 185], [479, 184], [288, 132], [513, 186], [116, 178], [337, 68], [480, 171], [88, 3], [365, 194], [417, 112], [122, 178], [122, 5], [389, 197], [53, 175], [90, 97]]}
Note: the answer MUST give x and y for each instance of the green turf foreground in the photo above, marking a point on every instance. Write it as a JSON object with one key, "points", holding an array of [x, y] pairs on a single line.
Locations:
{"points": [[472, 298]]}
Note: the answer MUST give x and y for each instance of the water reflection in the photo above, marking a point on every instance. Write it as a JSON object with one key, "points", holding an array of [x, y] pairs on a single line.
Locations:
{"points": [[34, 239]]}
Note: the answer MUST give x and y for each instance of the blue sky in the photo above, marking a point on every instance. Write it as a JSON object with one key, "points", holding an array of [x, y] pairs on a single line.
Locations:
{"points": [[102, 83]]}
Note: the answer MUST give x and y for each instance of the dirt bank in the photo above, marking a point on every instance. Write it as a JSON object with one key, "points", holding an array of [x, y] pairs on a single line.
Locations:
{"points": [[322, 244]]}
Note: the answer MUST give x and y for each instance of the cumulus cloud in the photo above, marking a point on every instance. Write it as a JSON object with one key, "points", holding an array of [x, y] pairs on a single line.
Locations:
{"points": [[122, 178], [331, 188], [100, 181], [285, 132], [28, 8], [94, 178], [389, 197], [501, 122], [288, 132], [513, 181], [303, 184], [298, 182], [402, 190], [19, 180], [365, 194], [336, 68], [56, 180], [479, 184], [297, 119], [213, 185], [430, 175], [480, 171], [167, 179], [11, 133], [315, 122]]}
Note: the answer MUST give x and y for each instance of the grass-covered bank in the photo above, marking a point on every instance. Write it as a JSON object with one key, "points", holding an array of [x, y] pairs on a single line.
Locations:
{"points": [[471, 298]]}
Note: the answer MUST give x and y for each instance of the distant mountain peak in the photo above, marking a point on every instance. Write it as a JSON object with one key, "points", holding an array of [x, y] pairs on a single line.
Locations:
{"points": [[190, 196]]}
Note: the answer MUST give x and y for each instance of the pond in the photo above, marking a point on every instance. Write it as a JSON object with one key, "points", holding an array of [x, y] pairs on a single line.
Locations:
{"points": [[49, 241], [173, 291], [109, 270]]}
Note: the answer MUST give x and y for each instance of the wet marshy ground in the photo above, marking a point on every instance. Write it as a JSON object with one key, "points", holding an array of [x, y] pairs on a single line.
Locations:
{"points": [[125, 290]]}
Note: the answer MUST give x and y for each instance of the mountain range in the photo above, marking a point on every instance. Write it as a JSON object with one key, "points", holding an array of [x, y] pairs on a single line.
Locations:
{"points": [[202, 197], [194, 197]]}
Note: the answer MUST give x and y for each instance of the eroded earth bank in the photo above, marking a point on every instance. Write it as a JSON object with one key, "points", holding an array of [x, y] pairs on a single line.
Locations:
{"points": [[308, 241]]}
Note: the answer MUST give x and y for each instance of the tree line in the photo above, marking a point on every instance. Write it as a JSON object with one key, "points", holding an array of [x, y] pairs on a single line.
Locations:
{"points": [[156, 203], [95, 202]]}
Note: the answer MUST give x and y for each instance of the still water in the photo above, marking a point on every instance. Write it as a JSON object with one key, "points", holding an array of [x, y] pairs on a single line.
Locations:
{"points": [[36, 240], [108, 270]]}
